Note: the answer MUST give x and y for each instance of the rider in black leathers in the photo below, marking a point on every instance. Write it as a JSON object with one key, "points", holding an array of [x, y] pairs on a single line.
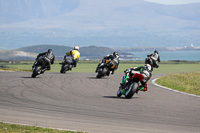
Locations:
{"points": [[49, 58], [114, 57]]}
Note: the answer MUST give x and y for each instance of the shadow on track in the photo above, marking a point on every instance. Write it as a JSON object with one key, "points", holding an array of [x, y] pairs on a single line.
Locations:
{"points": [[96, 78], [115, 97], [29, 77]]}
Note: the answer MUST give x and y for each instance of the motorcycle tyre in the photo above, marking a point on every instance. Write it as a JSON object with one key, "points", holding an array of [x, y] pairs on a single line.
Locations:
{"points": [[64, 68], [132, 89], [119, 94], [101, 73], [36, 71]]}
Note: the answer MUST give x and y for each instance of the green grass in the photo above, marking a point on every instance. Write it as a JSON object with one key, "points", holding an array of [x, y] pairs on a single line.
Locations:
{"points": [[90, 66], [177, 68], [13, 128], [185, 82]]}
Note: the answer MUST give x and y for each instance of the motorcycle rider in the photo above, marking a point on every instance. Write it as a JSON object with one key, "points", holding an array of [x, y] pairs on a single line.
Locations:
{"points": [[114, 57], [75, 54], [145, 71], [49, 58], [155, 58]]}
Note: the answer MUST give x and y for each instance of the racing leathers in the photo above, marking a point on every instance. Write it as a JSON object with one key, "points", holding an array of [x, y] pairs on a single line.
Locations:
{"points": [[49, 58], [155, 58], [112, 57], [145, 71], [75, 54]]}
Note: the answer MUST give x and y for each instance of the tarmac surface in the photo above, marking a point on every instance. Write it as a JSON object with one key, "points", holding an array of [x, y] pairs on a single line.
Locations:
{"points": [[80, 102]]}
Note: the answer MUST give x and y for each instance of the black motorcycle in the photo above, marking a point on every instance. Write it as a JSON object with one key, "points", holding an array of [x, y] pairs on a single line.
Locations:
{"points": [[66, 64], [151, 62], [103, 69], [39, 66]]}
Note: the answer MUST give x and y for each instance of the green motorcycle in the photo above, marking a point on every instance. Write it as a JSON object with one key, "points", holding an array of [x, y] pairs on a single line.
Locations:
{"points": [[130, 84]]}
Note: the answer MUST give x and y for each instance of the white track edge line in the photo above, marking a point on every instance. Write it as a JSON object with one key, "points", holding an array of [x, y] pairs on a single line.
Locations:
{"points": [[154, 82]]}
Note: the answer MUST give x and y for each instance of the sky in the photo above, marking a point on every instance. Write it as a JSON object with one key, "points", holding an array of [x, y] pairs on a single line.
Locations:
{"points": [[174, 2]]}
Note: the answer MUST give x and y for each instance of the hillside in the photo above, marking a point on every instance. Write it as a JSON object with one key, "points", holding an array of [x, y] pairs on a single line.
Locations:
{"points": [[110, 23], [87, 52], [90, 52], [31, 52], [16, 55]]}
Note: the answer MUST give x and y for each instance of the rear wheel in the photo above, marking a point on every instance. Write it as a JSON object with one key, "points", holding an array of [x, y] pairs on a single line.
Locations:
{"points": [[132, 89], [36, 71]]}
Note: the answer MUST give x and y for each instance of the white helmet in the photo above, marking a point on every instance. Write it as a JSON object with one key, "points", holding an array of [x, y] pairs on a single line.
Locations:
{"points": [[148, 67], [76, 47]]}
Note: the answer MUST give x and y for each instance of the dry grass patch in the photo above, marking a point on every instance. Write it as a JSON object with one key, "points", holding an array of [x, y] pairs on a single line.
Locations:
{"points": [[185, 82]]}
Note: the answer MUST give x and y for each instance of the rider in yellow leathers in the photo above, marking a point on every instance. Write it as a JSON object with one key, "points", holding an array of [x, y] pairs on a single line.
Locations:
{"points": [[75, 54]]}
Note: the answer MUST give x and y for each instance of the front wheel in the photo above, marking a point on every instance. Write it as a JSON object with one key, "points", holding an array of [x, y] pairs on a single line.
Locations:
{"points": [[102, 72], [64, 68], [131, 90], [119, 94], [99, 74]]}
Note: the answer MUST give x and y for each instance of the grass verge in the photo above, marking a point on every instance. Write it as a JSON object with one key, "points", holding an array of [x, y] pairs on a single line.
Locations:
{"points": [[185, 82], [90, 66], [13, 128]]}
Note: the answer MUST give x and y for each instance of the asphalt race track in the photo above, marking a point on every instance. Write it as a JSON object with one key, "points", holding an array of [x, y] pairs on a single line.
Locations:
{"points": [[80, 102]]}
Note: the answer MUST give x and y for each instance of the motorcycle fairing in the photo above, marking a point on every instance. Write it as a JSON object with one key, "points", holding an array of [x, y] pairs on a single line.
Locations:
{"points": [[113, 66], [139, 76]]}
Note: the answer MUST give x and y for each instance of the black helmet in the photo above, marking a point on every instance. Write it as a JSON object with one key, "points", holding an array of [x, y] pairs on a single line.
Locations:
{"points": [[50, 51], [149, 61], [115, 53], [156, 51]]}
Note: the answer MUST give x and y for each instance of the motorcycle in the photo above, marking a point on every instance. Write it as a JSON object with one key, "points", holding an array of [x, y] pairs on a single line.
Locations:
{"points": [[130, 84], [151, 62], [39, 66], [66, 64], [103, 69]]}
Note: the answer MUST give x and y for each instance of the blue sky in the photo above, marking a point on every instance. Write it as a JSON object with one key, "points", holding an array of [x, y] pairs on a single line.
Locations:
{"points": [[174, 2]]}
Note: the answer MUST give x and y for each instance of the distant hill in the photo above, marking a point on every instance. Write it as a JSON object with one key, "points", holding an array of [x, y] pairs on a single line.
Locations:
{"points": [[91, 52], [87, 52], [59, 51], [16, 55], [110, 23]]}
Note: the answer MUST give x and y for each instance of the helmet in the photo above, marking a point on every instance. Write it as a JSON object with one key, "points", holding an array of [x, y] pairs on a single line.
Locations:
{"points": [[115, 53], [156, 51], [149, 61], [76, 47], [148, 67], [50, 51]]}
